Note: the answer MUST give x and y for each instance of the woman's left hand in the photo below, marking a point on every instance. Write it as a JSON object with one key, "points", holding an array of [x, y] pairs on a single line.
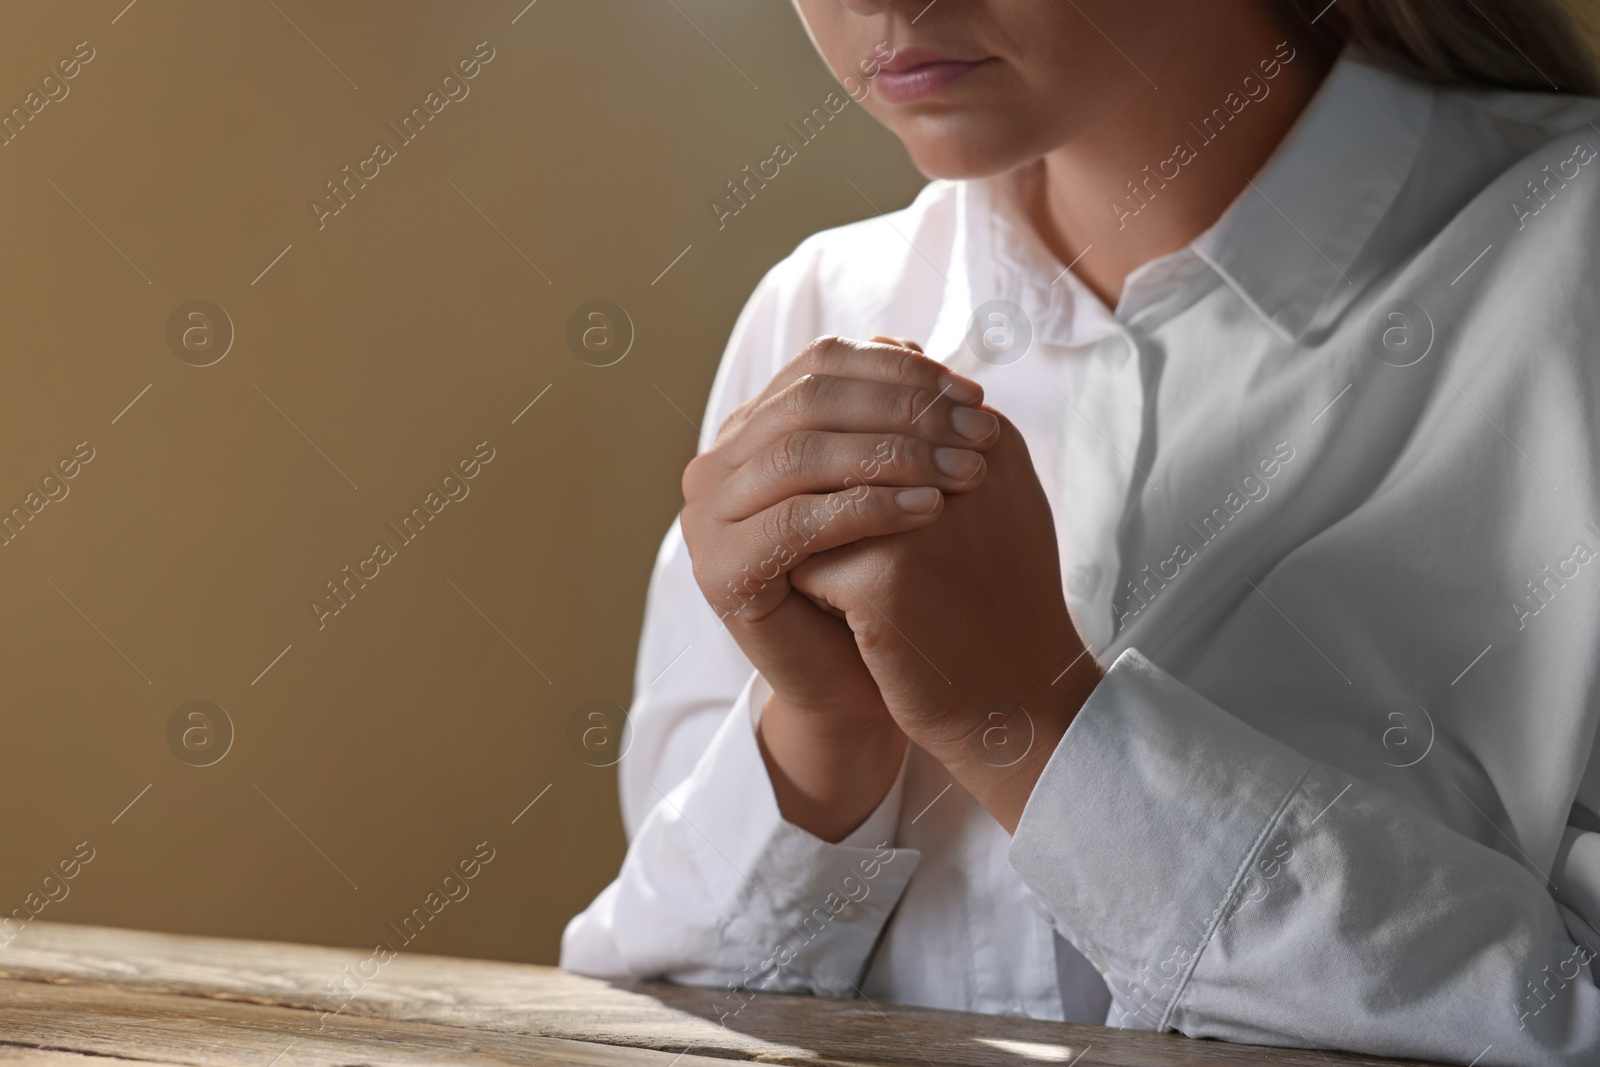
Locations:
{"points": [[965, 629]]}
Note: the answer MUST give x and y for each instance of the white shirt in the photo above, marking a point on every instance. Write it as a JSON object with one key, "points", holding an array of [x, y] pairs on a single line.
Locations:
{"points": [[1341, 555]]}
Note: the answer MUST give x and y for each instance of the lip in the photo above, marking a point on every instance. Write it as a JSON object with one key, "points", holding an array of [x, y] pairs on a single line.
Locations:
{"points": [[916, 74]]}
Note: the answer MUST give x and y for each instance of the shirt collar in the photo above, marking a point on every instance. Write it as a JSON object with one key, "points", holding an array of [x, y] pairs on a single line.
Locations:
{"points": [[1286, 244], [998, 257]]}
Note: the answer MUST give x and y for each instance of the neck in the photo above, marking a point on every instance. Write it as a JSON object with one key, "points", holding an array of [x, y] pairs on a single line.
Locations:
{"points": [[1162, 169]]}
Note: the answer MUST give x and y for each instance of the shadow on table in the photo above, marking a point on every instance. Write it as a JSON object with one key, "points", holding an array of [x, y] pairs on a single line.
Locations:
{"points": [[789, 1028]]}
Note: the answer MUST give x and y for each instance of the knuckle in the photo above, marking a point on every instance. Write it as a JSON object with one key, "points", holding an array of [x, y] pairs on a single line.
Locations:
{"points": [[803, 395], [820, 347], [890, 453], [779, 524], [790, 455], [909, 369], [911, 404], [693, 477], [860, 500], [896, 450]]}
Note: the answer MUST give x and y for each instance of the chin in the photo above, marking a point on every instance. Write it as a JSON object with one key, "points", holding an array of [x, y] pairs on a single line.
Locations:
{"points": [[965, 148], [955, 160]]}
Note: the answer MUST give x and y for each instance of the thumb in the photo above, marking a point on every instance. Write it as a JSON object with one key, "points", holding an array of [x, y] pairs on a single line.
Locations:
{"points": [[834, 580]]}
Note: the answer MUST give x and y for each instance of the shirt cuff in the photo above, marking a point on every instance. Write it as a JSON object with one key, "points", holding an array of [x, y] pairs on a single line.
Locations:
{"points": [[809, 911], [1151, 808]]}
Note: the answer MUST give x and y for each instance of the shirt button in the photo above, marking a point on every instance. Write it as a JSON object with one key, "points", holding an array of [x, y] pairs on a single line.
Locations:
{"points": [[1082, 580]]}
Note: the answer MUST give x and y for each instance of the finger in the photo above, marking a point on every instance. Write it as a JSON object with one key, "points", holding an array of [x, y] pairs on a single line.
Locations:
{"points": [[790, 531], [816, 461], [903, 342], [849, 405], [882, 359], [888, 363]]}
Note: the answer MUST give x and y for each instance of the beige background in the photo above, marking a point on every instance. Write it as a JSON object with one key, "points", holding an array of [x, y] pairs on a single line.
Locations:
{"points": [[408, 730]]}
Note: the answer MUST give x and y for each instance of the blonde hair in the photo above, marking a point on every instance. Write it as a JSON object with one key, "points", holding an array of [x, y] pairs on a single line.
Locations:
{"points": [[1542, 45]]}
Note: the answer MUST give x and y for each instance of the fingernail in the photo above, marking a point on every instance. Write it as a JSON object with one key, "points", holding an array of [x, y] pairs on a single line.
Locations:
{"points": [[920, 501], [957, 462], [973, 423], [962, 391]]}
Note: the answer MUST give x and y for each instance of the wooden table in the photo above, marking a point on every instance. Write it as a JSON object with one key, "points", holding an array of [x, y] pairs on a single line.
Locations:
{"points": [[77, 994]]}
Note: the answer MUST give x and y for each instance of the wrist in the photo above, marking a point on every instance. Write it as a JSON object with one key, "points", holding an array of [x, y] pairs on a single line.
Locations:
{"points": [[1002, 757], [828, 772]]}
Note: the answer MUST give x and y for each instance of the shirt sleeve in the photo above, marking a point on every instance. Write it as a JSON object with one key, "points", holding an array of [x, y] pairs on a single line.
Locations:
{"points": [[1229, 886], [716, 887]]}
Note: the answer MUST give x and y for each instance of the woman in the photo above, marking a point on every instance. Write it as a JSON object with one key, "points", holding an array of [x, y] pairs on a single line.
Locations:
{"points": [[1201, 636]]}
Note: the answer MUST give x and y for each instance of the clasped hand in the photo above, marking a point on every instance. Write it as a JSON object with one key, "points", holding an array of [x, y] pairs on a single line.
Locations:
{"points": [[878, 543]]}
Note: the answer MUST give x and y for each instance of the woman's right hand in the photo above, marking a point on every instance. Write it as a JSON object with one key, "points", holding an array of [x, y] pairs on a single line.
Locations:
{"points": [[851, 439]]}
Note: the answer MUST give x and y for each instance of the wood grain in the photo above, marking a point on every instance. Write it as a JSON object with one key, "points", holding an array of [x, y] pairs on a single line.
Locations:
{"points": [[67, 992]]}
